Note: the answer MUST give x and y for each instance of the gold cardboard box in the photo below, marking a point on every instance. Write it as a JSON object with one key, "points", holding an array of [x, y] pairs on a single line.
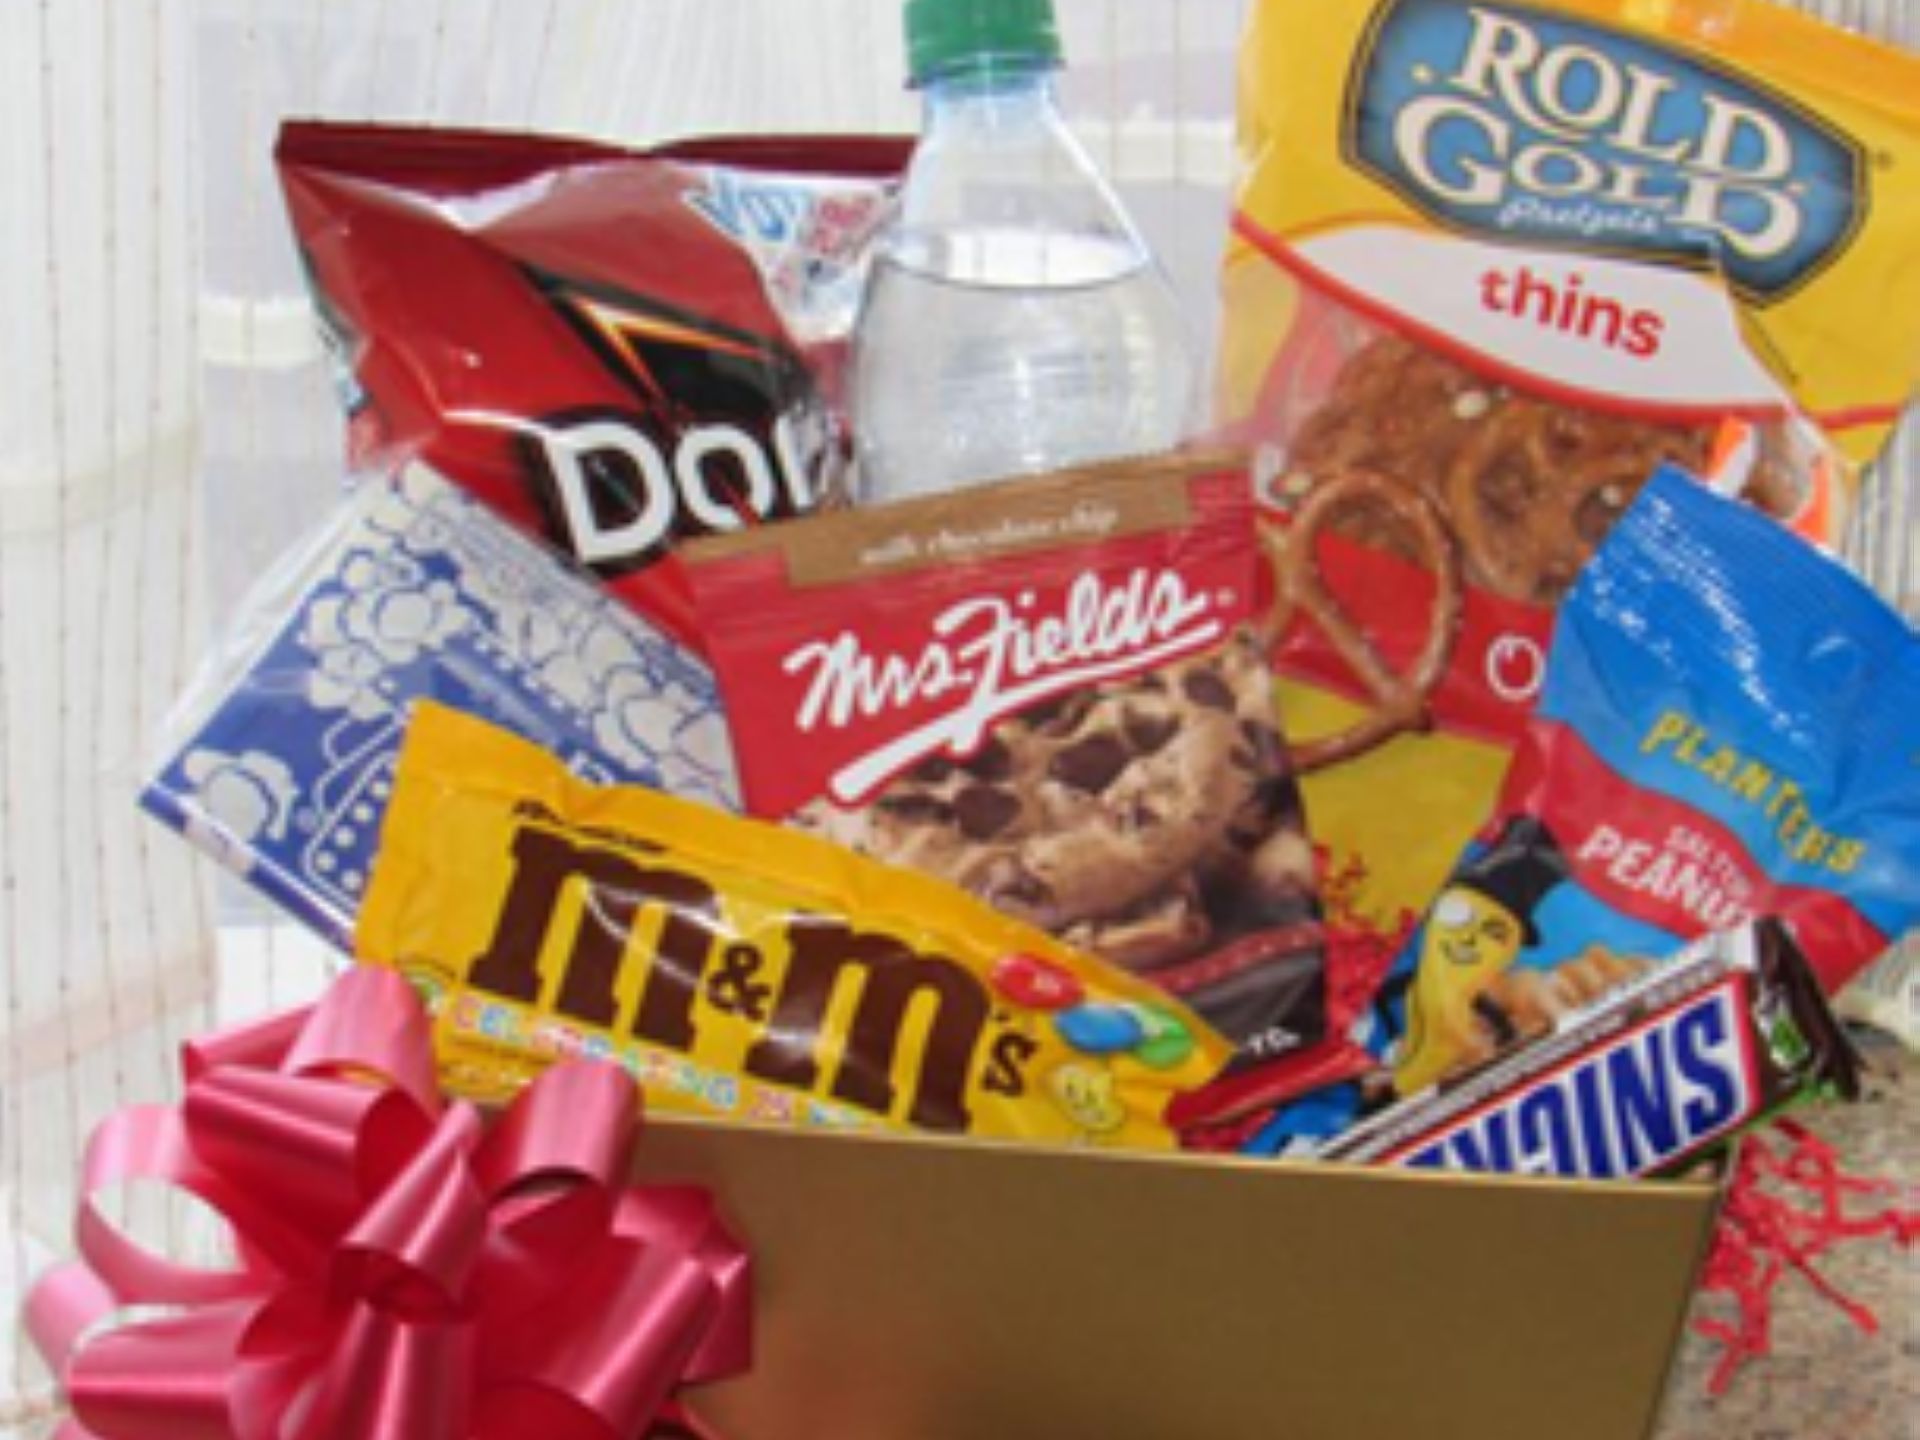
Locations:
{"points": [[916, 1290]]}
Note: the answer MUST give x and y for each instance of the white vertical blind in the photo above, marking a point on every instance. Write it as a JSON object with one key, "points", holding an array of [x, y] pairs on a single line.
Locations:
{"points": [[102, 924], [166, 424]]}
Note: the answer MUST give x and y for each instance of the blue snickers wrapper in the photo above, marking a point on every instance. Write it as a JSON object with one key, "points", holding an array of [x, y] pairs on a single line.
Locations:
{"points": [[1642, 1081], [279, 761]]}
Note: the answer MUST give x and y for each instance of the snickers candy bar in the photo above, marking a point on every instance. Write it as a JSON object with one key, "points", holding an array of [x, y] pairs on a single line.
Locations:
{"points": [[1642, 1082]]}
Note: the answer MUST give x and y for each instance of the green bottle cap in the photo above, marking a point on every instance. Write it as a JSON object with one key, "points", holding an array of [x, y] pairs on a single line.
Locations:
{"points": [[944, 35]]}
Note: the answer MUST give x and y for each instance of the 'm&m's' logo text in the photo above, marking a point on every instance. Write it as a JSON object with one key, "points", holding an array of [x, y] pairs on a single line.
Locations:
{"points": [[600, 908]]}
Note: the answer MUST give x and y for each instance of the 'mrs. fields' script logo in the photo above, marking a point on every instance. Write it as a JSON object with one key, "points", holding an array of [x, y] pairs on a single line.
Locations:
{"points": [[1498, 118], [985, 657]]}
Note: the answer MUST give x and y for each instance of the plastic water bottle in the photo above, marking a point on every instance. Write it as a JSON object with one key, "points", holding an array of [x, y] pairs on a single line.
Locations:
{"points": [[1014, 320]]}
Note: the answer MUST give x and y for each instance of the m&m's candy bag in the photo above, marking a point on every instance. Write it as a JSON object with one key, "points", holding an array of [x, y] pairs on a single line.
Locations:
{"points": [[744, 970]]}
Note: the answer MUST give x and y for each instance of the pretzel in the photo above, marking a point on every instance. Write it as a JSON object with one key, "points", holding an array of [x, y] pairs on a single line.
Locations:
{"points": [[1399, 697], [1538, 487]]}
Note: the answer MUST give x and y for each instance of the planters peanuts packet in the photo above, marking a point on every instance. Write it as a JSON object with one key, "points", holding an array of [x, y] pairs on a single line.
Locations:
{"points": [[1729, 730], [283, 761]]}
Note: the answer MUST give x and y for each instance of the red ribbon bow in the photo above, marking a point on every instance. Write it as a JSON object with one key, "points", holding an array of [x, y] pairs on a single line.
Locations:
{"points": [[401, 1275]]}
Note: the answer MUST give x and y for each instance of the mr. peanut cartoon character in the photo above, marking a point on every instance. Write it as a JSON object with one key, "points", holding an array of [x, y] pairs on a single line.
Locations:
{"points": [[1474, 930]]}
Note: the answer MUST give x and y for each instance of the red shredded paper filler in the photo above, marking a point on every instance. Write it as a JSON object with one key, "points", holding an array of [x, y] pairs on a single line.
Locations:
{"points": [[1789, 1205]]}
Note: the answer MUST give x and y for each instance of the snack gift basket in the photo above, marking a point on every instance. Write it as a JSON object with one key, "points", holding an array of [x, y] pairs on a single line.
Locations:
{"points": [[169, 429]]}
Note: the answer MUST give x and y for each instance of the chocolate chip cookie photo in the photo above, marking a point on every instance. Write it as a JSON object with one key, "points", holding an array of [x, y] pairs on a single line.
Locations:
{"points": [[1152, 820]]}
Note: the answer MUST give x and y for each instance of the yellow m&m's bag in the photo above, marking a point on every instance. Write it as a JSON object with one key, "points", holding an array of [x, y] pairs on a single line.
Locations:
{"points": [[743, 970]]}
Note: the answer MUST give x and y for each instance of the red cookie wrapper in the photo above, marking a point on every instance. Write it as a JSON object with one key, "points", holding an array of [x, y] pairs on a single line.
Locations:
{"points": [[402, 1275], [1053, 693]]}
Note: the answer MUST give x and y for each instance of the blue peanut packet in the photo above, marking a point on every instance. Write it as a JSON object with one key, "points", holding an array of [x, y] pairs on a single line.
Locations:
{"points": [[1729, 729], [279, 762]]}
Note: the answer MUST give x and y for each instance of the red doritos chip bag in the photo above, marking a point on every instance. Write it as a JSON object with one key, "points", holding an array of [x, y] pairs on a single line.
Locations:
{"points": [[616, 349]]}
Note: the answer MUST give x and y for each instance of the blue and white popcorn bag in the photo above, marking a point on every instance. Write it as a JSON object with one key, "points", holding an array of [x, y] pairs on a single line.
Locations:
{"points": [[279, 761]]}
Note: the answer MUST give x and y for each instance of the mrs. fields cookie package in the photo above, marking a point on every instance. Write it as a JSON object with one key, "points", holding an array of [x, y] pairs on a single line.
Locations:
{"points": [[1053, 693], [1251, 796]]}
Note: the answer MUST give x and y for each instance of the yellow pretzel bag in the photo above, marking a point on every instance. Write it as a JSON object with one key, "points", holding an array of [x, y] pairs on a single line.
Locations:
{"points": [[1492, 264], [743, 970], [1722, 196]]}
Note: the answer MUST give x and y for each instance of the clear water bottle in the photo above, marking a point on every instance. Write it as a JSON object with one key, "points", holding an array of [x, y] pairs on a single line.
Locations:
{"points": [[1014, 320]]}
